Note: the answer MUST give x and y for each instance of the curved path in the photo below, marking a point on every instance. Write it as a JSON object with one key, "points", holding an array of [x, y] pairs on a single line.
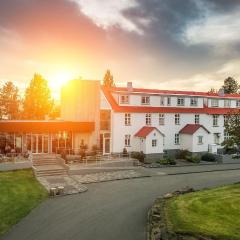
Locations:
{"points": [[108, 211]]}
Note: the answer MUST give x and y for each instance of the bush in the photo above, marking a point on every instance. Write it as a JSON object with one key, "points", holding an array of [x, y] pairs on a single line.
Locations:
{"points": [[193, 158], [167, 161], [139, 156], [182, 154], [208, 157]]}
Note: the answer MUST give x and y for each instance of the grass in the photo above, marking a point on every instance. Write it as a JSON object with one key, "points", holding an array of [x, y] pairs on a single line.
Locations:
{"points": [[20, 192], [213, 213]]}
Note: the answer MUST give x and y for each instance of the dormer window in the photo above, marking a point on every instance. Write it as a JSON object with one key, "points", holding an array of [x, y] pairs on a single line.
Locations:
{"points": [[180, 101], [162, 101], [145, 100], [227, 103], [214, 102], [124, 99], [194, 101], [238, 103]]}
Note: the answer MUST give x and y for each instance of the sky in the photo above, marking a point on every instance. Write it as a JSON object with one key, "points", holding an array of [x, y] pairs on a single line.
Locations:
{"points": [[165, 44]]}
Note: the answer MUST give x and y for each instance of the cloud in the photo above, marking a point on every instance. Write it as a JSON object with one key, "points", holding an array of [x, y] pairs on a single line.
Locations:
{"points": [[109, 13], [214, 29]]}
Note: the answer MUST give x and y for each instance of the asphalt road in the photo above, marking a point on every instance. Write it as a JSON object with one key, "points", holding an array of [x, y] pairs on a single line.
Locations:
{"points": [[108, 211]]}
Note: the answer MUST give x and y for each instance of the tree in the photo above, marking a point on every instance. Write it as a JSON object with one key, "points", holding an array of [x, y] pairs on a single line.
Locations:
{"points": [[9, 101], [56, 111], [38, 102], [230, 85], [232, 126], [212, 90], [108, 79]]}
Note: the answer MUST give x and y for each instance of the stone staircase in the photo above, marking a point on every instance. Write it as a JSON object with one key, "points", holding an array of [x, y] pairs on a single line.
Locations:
{"points": [[49, 165]]}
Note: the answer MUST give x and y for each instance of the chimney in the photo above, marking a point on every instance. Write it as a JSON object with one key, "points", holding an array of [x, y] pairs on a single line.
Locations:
{"points": [[221, 92], [129, 86]]}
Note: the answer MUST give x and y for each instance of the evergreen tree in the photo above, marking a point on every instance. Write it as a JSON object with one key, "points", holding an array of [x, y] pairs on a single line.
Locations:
{"points": [[230, 85], [38, 101], [108, 79], [9, 101]]}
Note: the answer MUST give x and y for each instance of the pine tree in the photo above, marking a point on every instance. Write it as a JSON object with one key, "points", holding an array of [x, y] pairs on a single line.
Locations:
{"points": [[230, 85], [9, 101], [108, 79], [38, 101]]}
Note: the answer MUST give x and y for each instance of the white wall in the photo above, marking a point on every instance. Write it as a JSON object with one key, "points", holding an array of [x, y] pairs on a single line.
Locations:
{"points": [[169, 129], [200, 147], [159, 137]]}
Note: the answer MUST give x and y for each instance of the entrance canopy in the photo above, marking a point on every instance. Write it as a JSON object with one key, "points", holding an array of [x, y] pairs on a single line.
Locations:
{"points": [[46, 126]]}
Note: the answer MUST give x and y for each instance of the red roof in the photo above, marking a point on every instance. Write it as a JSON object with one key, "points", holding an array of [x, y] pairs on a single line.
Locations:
{"points": [[192, 128], [149, 109], [46, 126], [144, 131], [174, 92]]}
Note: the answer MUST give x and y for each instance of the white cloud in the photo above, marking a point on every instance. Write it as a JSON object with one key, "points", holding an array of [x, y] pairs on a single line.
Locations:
{"points": [[214, 29], [110, 13]]}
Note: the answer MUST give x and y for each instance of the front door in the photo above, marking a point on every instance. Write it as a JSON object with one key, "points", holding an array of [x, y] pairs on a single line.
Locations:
{"points": [[106, 145], [39, 143]]}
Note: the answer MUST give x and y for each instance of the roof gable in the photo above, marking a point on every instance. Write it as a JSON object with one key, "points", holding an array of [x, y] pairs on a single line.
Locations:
{"points": [[145, 131], [192, 128]]}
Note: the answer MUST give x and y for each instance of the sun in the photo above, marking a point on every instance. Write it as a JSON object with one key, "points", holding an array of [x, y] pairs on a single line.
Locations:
{"points": [[60, 78]]}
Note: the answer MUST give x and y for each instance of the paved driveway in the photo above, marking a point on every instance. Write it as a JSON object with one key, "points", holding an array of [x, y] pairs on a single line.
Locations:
{"points": [[108, 211]]}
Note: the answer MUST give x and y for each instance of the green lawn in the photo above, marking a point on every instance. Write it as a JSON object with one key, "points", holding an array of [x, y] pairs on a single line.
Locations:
{"points": [[214, 213], [19, 193]]}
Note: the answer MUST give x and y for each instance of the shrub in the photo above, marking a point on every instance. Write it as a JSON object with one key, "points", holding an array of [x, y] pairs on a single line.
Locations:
{"points": [[139, 156], [208, 157], [167, 161], [193, 158], [182, 154]]}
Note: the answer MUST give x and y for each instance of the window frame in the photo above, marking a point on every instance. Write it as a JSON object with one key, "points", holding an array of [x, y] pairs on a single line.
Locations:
{"points": [[200, 142], [169, 99], [127, 119], [144, 98], [127, 140], [197, 119], [215, 120], [194, 101], [154, 142], [161, 119], [177, 119], [123, 96], [213, 101], [179, 99], [177, 139], [148, 119]]}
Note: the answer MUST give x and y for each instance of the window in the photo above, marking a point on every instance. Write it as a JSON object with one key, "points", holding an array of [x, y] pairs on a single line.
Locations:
{"points": [[197, 119], [177, 140], [200, 140], [127, 119], [225, 117], [162, 101], [180, 101], [148, 119], [226, 135], [238, 103], [145, 100], [127, 140], [161, 119], [214, 102], [124, 99], [227, 103], [177, 119], [215, 120], [194, 101], [168, 101], [154, 142], [216, 138]]}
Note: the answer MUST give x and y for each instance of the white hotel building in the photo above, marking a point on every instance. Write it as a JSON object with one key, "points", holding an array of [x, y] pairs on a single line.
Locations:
{"points": [[148, 120]]}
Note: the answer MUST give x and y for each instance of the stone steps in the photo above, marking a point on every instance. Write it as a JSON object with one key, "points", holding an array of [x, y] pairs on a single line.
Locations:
{"points": [[51, 172]]}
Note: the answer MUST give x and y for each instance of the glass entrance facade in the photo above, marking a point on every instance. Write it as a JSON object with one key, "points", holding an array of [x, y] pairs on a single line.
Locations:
{"points": [[35, 142]]}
